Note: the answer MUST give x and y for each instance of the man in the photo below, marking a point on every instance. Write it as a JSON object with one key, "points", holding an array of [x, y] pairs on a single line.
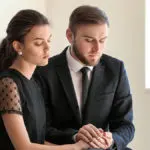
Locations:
{"points": [[94, 105]]}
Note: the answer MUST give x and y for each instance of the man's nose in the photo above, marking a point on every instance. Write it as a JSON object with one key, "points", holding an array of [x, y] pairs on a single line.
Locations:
{"points": [[97, 46]]}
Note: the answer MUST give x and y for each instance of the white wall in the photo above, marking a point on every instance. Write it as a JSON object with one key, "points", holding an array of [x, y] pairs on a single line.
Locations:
{"points": [[126, 41], [147, 43], [8, 8]]}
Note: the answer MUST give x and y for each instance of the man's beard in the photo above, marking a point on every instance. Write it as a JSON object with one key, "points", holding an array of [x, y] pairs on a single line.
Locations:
{"points": [[82, 58]]}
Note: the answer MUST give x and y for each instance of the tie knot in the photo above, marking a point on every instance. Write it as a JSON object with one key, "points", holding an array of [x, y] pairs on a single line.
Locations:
{"points": [[84, 70]]}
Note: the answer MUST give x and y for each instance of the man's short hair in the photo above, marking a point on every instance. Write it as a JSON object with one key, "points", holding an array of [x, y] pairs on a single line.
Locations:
{"points": [[87, 15]]}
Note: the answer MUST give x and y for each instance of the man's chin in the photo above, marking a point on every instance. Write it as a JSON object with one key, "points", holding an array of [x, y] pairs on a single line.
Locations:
{"points": [[93, 62]]}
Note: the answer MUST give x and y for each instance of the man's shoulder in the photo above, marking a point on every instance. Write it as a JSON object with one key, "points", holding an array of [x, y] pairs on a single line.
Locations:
{"points": [[111, 63], [110, 59]]}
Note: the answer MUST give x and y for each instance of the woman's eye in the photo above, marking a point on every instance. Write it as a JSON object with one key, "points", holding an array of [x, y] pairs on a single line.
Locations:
{"points": [[38, 43]]}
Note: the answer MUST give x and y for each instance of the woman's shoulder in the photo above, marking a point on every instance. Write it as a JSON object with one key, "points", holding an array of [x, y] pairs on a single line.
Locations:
{"points": [[10, 75], [10, 99], [7, 78], [7, 73]]}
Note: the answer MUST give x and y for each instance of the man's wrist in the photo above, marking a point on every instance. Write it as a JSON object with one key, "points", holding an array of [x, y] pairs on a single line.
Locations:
{"points": [[74, 138]]}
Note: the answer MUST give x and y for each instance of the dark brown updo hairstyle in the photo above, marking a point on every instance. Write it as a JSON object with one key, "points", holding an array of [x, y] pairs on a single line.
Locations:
{"points": [[18, 27]]}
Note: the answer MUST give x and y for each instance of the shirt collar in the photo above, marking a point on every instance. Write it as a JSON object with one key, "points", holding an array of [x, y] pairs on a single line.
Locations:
{"points": [[74, 64]]}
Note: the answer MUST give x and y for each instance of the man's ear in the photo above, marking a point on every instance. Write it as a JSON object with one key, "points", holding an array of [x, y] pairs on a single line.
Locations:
{"points": [[17, 46], [69, 36]]}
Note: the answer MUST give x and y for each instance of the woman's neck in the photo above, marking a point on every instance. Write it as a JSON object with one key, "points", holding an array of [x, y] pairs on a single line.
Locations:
{"points": [[26, 68]]}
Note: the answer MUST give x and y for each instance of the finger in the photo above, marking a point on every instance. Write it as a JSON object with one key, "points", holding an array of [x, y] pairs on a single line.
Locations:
{"points": [[101, 132], [96, 130], [93, 145], [109, 140], [81, 136], [92, 130], [86, 133], [102, 140], [108, 134], [98, 143]]}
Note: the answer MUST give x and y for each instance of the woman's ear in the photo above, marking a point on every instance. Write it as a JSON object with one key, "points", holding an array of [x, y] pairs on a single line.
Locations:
{"points": [[69, 36], [17, 46]]}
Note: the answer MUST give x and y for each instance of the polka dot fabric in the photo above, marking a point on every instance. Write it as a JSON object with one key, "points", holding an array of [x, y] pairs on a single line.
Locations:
{"points": [[9, 97]]}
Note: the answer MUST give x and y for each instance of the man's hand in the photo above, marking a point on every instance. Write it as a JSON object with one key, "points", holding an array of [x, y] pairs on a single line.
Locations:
{"points": [[91, 135], [87, 132], [108, 138], [95, 137]]}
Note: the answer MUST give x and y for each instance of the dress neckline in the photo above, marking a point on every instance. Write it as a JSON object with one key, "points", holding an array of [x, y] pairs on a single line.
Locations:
{"points": [[19, 73]]}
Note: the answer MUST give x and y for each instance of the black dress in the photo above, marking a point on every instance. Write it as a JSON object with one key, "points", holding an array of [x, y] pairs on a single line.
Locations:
{"points": [[23, 97]]}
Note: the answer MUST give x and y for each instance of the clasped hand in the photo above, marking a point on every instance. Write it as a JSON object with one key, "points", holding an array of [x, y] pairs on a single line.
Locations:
{"points": [[94, 137]]}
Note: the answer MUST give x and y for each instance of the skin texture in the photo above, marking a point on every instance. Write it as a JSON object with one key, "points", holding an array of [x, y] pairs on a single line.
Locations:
{"points": [[88, 42]]}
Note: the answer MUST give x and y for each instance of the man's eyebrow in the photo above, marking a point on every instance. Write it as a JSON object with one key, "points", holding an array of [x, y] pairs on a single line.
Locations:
{"points": [[86, 36]]}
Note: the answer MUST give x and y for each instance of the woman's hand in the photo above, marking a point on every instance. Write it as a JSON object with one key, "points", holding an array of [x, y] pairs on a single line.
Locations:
{"points": [[48, 143], [81, 145]]}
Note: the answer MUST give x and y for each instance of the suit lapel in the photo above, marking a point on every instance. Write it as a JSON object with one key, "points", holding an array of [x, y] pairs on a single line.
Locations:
{"points": [[97, 79], [66, 80]]}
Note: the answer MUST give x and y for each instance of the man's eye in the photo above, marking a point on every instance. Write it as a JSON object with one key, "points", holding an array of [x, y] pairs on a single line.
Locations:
{"points": [[102, 41], [88, 40], [49, 41]]}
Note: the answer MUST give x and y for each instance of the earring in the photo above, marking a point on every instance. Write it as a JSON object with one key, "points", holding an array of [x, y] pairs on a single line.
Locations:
{"points": [[20, 53]]}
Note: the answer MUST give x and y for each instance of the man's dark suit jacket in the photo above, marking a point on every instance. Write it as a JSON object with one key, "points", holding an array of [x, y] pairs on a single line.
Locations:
{"points": [[109, 103]]}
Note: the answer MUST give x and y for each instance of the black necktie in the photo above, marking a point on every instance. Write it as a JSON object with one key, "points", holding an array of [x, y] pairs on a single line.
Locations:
{"points": [[85, 85]]}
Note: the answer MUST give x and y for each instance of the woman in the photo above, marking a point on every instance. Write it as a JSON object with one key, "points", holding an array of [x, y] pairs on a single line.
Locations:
{"points": [[22, 121]]}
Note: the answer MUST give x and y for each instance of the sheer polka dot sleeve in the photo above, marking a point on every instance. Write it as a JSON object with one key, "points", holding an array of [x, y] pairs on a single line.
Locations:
{"points": [[9, 97]]}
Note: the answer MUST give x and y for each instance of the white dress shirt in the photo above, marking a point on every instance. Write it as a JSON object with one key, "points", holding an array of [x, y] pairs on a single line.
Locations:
{"points": [[75, 66]]}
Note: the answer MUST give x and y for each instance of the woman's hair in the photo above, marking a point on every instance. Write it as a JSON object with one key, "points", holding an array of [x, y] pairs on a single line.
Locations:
{"points": [[18, 27]]}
